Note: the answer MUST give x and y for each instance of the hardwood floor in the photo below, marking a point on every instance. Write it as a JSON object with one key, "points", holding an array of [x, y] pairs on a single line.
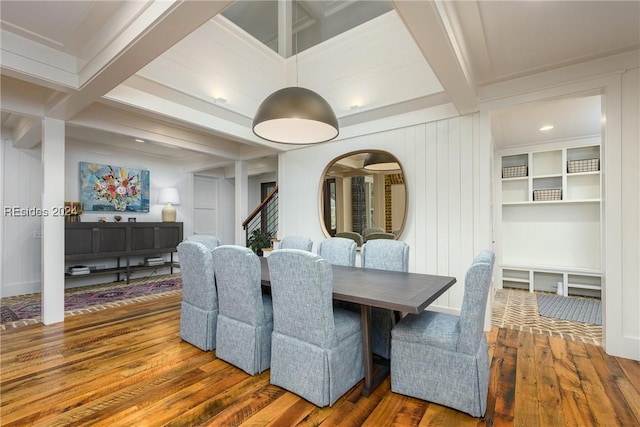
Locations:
{"points": [[127, 366]]}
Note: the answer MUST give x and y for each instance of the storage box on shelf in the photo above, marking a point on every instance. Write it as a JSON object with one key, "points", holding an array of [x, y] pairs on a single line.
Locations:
{"points": [[123, 242], [550, 219]]}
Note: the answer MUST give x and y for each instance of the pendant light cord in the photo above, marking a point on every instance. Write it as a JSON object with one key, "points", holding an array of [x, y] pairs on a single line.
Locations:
{"points": [[296, 49]]}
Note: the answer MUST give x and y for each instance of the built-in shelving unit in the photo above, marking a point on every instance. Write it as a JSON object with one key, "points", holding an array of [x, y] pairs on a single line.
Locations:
{"points": [[123, 242], [549, 217]]}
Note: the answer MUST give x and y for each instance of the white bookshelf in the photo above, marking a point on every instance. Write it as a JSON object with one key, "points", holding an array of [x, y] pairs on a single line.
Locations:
{"points": [[550, 241]]}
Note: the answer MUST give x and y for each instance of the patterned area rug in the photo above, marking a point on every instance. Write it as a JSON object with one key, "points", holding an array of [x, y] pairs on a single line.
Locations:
{"points": [[25, 309], [585, 310]]}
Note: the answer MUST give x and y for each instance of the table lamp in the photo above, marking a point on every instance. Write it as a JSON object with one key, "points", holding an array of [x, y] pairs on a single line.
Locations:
{"points": [[170, 197]]}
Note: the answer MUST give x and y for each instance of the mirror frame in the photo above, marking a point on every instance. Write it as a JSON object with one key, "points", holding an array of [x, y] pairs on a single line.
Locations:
{"points": [[321, 200]]}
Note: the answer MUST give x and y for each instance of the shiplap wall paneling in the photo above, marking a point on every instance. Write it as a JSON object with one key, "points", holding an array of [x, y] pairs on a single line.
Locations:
{"points": [[440, 162]]}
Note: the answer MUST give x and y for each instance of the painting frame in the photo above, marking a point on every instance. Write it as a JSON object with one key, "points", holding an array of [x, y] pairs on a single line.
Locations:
{"points": [[113, 188]]}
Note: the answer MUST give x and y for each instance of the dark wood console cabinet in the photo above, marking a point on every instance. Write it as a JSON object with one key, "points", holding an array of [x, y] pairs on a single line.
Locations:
{"points": [[84, 241]]}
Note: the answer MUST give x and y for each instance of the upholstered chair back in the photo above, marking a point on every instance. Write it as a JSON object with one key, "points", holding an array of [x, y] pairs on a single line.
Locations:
{"points": [[384, 254], [196, 269], [237, 271], [245, 319], [296, 242], [476, 291], [380, 235], [338, 251], [209, 240], [356, 237], [316, 350], [199, 308], [368, 230], [444, 358], [301, 290]]}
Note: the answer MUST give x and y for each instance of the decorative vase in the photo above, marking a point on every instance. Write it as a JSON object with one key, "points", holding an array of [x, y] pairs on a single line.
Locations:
{"points": [[120, 205]]}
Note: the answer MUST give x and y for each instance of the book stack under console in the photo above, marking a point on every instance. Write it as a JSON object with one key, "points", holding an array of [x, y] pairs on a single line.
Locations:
{"points": [[78, 270]]}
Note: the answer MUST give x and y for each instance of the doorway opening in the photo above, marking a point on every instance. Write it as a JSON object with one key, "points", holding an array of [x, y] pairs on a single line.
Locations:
{"points": [[548, 215]]}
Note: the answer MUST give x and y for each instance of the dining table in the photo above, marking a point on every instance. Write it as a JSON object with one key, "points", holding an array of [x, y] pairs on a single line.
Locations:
{"points": [[398, 291]]}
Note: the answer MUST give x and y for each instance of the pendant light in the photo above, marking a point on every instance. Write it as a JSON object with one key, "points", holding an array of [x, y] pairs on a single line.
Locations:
{"points": [[295, 115], [379, 161]]}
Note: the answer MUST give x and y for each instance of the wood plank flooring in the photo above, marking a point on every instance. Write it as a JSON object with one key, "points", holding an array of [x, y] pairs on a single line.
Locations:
{"points": [[127, 366]]}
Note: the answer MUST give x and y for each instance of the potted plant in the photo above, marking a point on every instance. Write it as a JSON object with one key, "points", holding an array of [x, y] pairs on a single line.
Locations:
{"points": [[259, 239]]}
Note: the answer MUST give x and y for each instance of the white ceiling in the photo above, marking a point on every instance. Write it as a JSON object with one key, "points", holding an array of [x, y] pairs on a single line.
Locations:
{"points": [[570, 117], [179, 74]]}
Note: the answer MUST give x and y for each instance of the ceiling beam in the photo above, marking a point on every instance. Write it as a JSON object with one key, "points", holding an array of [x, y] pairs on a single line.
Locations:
{"points": [[136, 126], [429, 26], [172, 26], [285, 38], [27, 133]]}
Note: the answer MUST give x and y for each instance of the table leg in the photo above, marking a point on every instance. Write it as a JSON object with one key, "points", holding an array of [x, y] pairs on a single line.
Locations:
{"points": [[365, 320], [371, 380]]}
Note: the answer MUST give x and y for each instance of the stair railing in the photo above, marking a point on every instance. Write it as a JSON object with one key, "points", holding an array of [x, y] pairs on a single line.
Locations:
{"points": [[263, 217]]}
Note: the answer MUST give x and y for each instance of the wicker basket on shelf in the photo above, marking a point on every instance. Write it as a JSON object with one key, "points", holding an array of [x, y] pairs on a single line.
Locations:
{"points": [[547, 194], [514, 171], [586, 165]]}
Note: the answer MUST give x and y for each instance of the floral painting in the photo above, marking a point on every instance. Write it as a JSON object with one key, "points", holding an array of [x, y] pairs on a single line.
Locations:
{"points": [[113, 188]]}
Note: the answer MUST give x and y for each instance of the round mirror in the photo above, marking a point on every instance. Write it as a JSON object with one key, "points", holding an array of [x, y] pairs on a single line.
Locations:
{"points": [[363, 196]]}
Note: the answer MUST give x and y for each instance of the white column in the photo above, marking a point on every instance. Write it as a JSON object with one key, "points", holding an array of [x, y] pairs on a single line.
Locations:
{"points": [[52, 221], [241, 201]]}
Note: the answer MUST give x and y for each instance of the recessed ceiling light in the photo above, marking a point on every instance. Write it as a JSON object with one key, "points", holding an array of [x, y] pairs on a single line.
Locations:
{"points": [[139, 140], [546, 128]]}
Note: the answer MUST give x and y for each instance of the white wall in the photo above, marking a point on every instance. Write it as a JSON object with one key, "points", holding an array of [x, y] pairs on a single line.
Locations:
{"points": [[22, 176], [22, 187], [442, 165], [255, 187], [226, 211], [162, 173]]}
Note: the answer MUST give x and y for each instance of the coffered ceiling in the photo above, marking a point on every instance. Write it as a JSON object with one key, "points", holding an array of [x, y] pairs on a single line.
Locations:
{"points": [[187, 80]]}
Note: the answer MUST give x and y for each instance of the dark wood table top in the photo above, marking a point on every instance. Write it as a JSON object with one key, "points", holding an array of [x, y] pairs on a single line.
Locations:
{"points": [[405, 292]]}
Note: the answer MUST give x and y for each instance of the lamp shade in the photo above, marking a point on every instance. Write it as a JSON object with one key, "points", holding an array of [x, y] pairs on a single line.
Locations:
{"points": [[378, 161], [169, 195], [295, 115]]}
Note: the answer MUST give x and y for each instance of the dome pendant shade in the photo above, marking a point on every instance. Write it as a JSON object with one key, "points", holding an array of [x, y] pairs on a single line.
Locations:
{"points": [[295, 115], [378, 161]]}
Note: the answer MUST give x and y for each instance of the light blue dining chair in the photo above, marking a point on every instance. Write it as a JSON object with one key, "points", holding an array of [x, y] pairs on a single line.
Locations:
{"points": [[199, 309], [245, 319], [209, 240], [296, 242], [384, 254], [338, 251], [444, 358], [316, 350]]}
